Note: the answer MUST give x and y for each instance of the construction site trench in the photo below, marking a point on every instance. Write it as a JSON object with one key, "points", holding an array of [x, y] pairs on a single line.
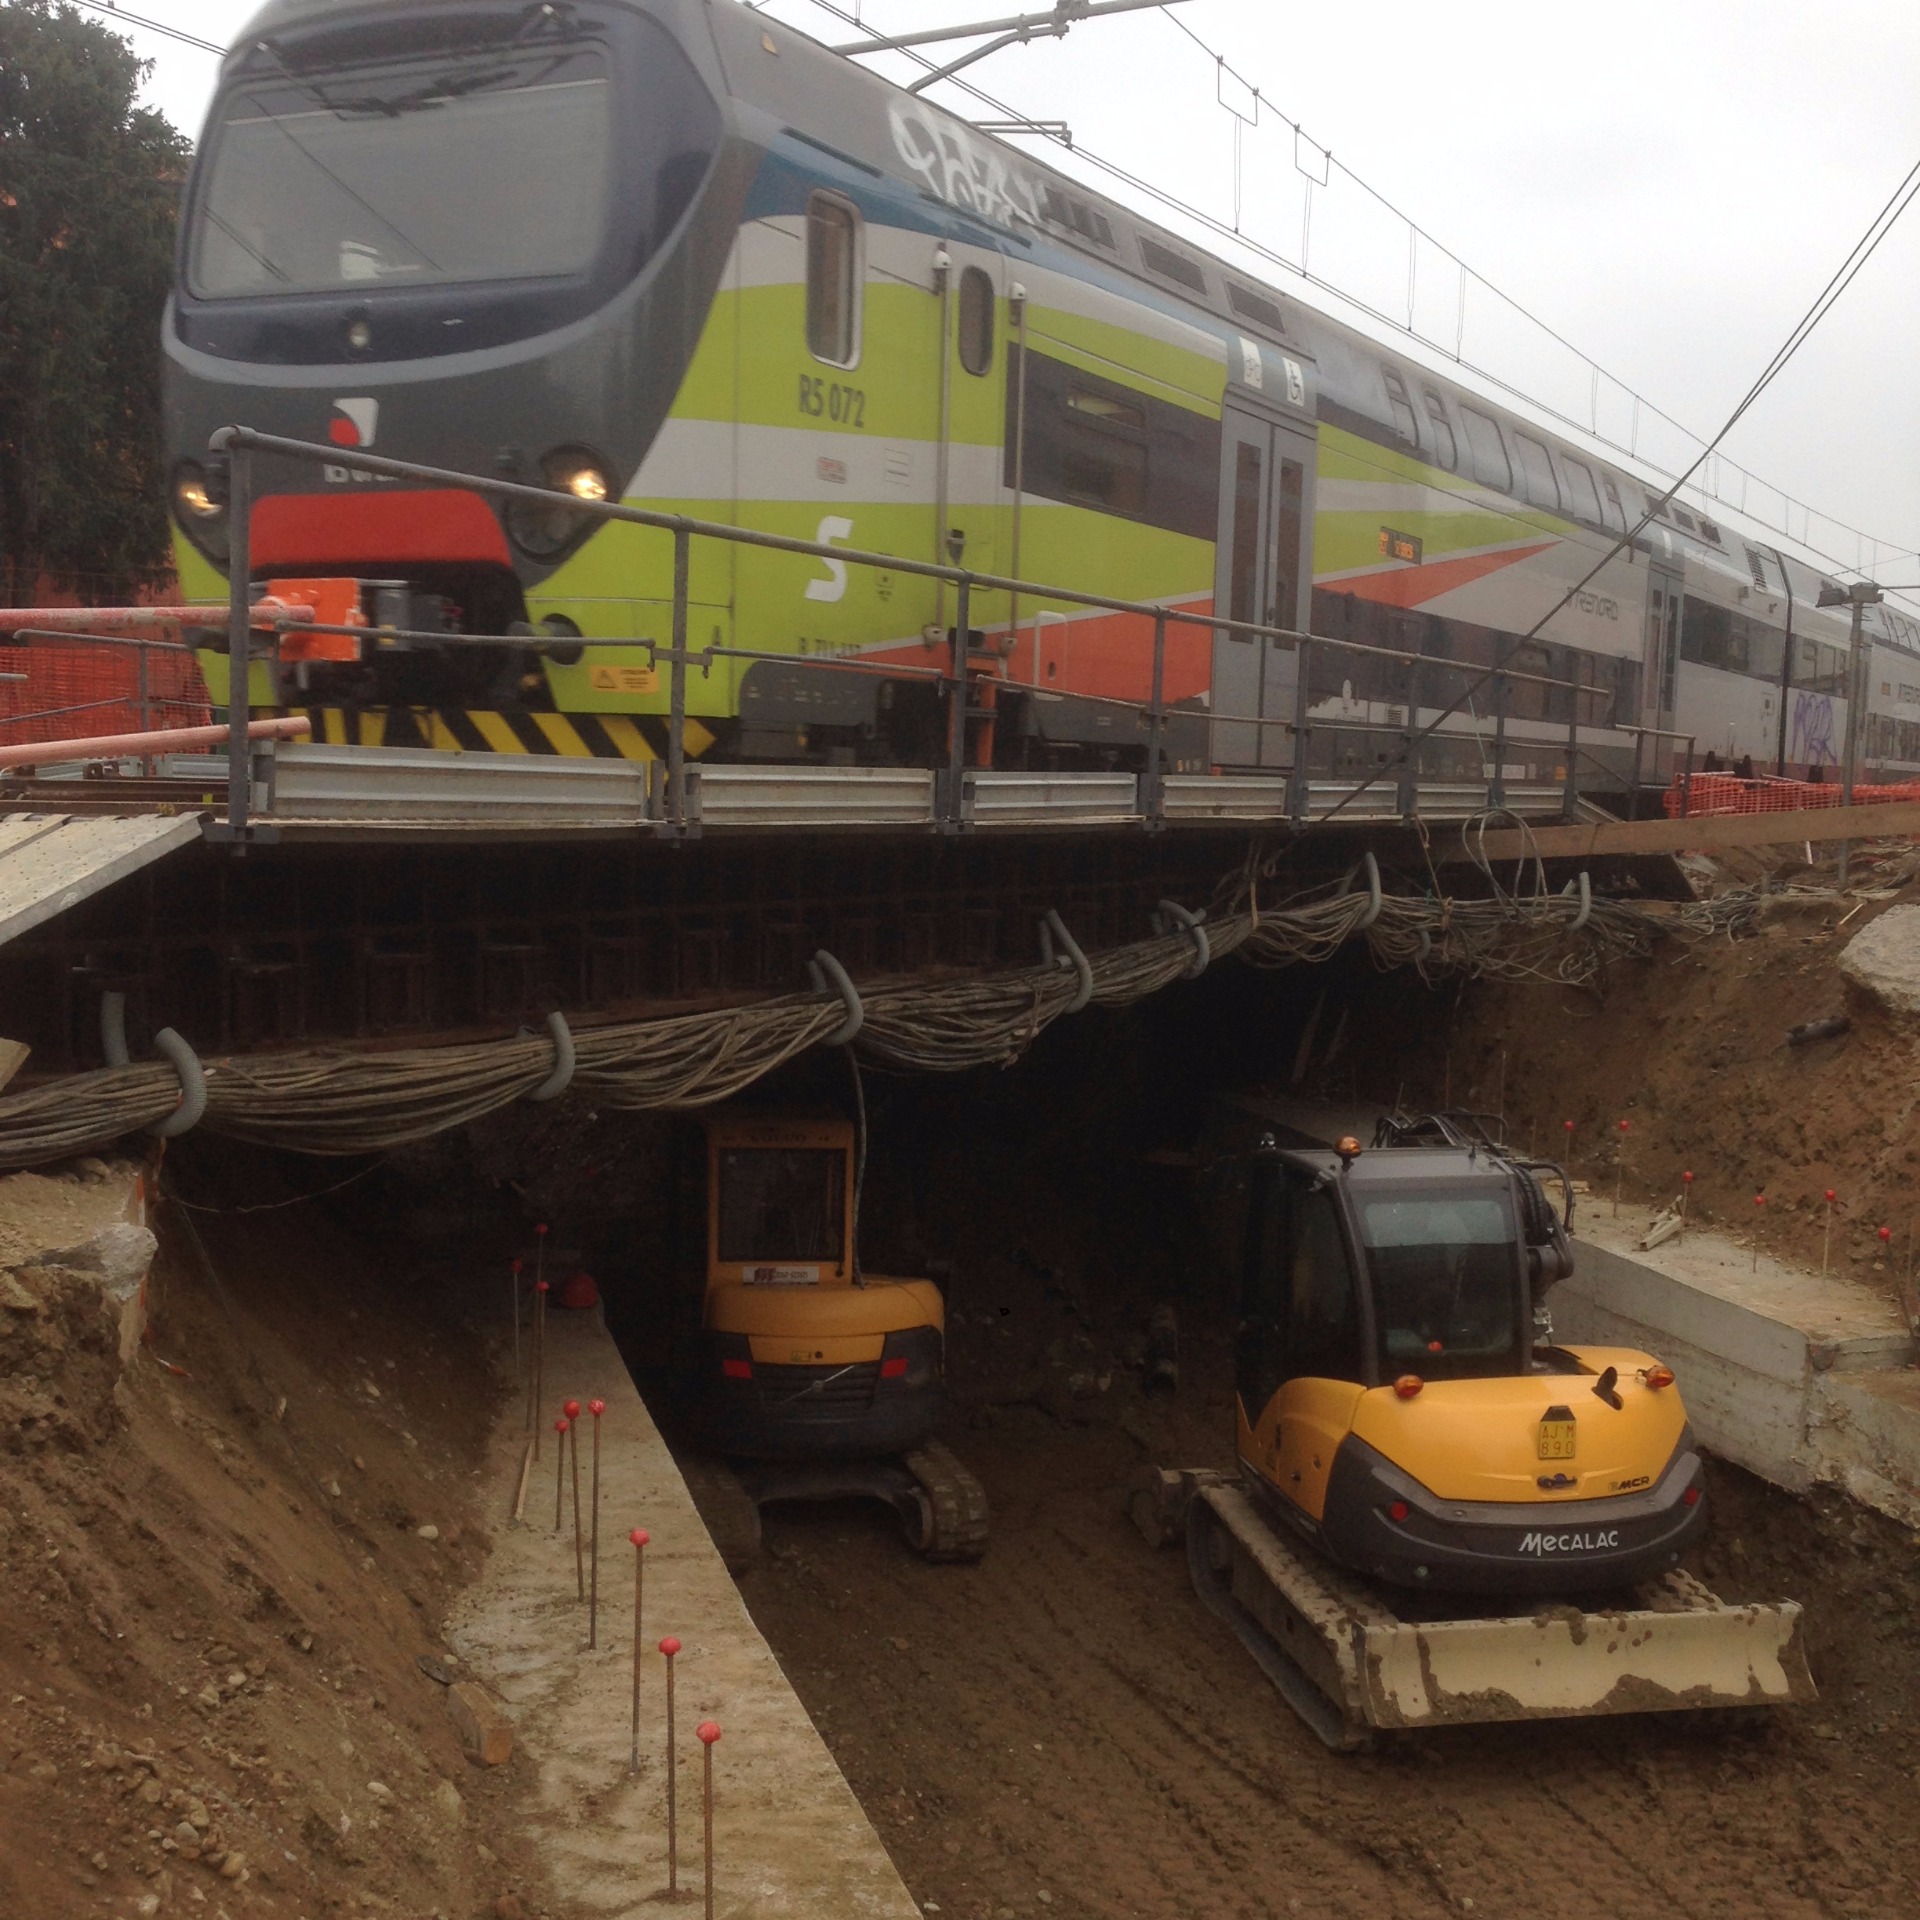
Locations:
{"points": [[225, 1552]]}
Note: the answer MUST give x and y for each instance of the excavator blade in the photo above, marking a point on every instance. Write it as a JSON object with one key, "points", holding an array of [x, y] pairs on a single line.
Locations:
{"points": [[1350, 1664]]}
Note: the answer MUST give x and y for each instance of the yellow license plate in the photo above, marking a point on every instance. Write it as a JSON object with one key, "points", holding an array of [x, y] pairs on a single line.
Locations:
{"points": [[1556, 1439]]}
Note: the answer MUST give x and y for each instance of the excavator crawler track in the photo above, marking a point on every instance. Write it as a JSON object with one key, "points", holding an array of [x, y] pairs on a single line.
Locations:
{"points": [[955, 1526]]}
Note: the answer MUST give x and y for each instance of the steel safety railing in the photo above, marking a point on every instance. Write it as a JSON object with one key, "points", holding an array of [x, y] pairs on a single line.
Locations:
{"points": [[957, 681]]}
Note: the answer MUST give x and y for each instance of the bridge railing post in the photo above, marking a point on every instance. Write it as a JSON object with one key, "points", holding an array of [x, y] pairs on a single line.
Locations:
{"points": [[1497, 785], [1407, 799], [677, 686], [1302, 737], [239, 636], [957, 706], [1570, 786], [1152, 792]]}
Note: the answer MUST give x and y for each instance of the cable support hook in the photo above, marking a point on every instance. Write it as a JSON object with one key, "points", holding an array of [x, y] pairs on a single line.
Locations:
{"points": [[829, 976], [561, 1078], [1189, 924], [1375, 901], [181, 1057], [1585, 889], [1053, 928], [193, 1086]]}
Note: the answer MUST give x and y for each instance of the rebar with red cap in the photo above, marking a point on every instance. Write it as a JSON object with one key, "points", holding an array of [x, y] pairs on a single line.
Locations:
{"points": [[709, 1733], [579, 1550], [1826, 1236], [560, 1473], [669, 1647], [537, 1386], [639, 1536], [596, 1408]]}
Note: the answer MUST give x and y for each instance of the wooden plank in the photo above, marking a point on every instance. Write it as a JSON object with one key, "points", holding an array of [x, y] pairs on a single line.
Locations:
{"points": [[1584, 839]]}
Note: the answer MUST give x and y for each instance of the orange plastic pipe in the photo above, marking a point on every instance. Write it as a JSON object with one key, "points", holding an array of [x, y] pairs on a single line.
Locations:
{"points": [[112, 746]]}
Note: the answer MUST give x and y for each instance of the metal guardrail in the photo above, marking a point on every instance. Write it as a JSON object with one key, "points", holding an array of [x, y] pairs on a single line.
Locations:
{"points": [[963, 796]]}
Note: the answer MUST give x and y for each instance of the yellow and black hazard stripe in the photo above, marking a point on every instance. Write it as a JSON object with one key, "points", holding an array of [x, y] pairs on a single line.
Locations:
{"points": [[576, 736]]}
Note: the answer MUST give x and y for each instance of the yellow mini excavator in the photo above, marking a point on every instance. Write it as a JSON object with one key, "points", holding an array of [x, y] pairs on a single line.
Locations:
{"points": [[1440, 1515], [821, 1381]]}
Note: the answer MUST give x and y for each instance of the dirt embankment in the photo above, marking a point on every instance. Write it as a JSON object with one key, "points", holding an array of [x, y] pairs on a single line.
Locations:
{"points": [[220, 1565], [1691, 1050]]}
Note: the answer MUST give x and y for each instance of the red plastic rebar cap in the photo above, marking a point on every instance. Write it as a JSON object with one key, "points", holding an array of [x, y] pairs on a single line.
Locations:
{"points": [[596, 1408], [572, 1409], [669, 1646], [1886, 1233], [1568, 1124], [539, 1286], [541, 1228], [1626, 1126], [1688, 1178], [1759, 1199], [639, 1536], [560, 1425], [1831, 1196], [517, 1267], [708, 1732]]}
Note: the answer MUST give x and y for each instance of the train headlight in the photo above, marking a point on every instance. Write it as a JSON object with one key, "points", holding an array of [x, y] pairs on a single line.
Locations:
{"points": [[200, 508], [547, 531]]}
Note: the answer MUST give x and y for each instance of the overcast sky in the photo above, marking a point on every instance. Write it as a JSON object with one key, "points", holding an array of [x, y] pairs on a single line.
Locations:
{"points": [[1666, 184]]}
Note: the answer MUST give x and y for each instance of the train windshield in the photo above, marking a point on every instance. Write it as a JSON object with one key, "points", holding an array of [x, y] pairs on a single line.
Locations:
{"points": [[1446, 1296], [413, 174]]}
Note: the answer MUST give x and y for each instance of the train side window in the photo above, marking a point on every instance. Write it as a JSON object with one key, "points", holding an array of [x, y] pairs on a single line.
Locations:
{"points": [[1491, 466], [833, 281], [1766, 651], [1404, 423], [1586, 501], [976, 321], [1707, 637], [1536, 471], [1615, 514], [1323, 1312], [1103, 452], [1445, 445]]}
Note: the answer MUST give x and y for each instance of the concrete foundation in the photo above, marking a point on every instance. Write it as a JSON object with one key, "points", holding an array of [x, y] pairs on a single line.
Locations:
{"points": [[789, 1837], [1801, 1378]]}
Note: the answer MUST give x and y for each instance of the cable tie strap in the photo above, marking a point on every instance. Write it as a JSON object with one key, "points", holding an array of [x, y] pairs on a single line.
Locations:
{"points": [[829, 976], [561, 1078], [1055, 927], [193, 1086], [1189, 924]]}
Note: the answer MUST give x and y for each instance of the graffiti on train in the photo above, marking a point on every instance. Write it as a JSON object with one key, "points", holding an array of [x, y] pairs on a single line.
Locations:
{"points": [[961, 171], [1812, 735]]}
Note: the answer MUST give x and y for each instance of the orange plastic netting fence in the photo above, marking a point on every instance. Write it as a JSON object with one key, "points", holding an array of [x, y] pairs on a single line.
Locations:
{"points": [[72, 692], [1721, 793]]}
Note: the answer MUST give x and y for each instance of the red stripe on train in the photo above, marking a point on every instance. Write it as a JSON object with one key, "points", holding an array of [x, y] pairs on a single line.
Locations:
{"points": [[351, 531]]}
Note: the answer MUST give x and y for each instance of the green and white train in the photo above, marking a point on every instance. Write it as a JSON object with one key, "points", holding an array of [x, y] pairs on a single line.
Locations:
{"points": [[671, 252]]}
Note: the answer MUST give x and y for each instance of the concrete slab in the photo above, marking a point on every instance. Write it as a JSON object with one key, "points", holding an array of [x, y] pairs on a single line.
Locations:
{"points": [[1800, 1378], [789, 1837]]}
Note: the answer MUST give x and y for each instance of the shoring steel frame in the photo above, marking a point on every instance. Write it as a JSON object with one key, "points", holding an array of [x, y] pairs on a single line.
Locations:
{"points": [[240, 445]]}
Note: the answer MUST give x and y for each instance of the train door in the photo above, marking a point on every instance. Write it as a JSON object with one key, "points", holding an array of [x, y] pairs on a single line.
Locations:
{"points": [[1663, 658], [1263, 574]]}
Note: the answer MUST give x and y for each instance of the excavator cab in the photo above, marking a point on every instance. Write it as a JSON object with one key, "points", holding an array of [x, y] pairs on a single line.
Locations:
{"points": [[819, 1379], [1401, 1405]]}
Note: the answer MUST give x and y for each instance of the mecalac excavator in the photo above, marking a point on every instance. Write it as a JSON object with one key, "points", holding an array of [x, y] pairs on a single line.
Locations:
{"points": [[1441, 1516]]}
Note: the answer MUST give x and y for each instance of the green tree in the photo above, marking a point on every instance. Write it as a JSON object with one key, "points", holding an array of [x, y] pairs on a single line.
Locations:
{"points": [[89, 185]]}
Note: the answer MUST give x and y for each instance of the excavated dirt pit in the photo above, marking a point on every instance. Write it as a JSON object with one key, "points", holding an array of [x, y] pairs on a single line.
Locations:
{"points": [[197, 1623]]}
